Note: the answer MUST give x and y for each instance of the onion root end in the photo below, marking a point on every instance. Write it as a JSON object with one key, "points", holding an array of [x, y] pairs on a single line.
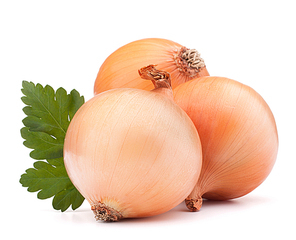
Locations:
{"points": [[105, 213], [190, 63], [193, 204]]}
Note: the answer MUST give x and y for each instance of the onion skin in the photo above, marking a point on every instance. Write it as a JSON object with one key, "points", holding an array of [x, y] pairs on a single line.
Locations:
{"points": [[120, 69], [132, 153], [238, 135]]}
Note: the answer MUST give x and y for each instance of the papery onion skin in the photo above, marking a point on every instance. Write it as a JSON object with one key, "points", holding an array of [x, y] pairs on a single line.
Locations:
{"points": [[238, 135], [132, 153], [120, 69]]}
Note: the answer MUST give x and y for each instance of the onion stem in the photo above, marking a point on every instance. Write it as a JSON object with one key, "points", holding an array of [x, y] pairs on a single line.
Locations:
{"points": [[160, 79]]}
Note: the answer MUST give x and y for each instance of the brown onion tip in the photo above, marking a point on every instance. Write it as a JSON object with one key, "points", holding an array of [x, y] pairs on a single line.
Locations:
{"points": [[160, 79], [193, 204], [104, 213]]}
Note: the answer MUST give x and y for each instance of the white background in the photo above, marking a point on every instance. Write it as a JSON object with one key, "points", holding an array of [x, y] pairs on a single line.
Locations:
{"points": [[63, 44]]}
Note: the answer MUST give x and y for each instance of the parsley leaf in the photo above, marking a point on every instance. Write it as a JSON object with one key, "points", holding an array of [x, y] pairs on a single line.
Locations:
{"points": [[48, 116], [47, 178]]}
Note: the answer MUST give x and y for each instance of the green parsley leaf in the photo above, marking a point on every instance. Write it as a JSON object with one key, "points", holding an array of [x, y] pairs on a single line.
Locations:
{"points": [[48, 116], [66, 197], [45, 146], [47, 178]]}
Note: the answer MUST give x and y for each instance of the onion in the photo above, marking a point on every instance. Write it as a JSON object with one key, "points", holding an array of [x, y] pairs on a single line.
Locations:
{"points": [[238, 135], [133, 153], [120, 69]]}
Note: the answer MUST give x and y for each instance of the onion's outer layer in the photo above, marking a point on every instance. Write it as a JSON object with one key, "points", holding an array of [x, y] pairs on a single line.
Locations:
{"points": [[120, 69], [238, 135], [133, 152]]}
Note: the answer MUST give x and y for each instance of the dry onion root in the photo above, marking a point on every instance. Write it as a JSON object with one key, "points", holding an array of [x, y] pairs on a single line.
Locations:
{"points": [[238, 135], [133, 153], [120, 69]]}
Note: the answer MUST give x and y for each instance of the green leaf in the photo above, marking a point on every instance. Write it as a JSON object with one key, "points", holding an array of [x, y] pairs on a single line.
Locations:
{"points": [[47, 111], [76, 103], [52, 181], [45, 146], [47, 178], [56, 161], [48, 116], [65, 198]]}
